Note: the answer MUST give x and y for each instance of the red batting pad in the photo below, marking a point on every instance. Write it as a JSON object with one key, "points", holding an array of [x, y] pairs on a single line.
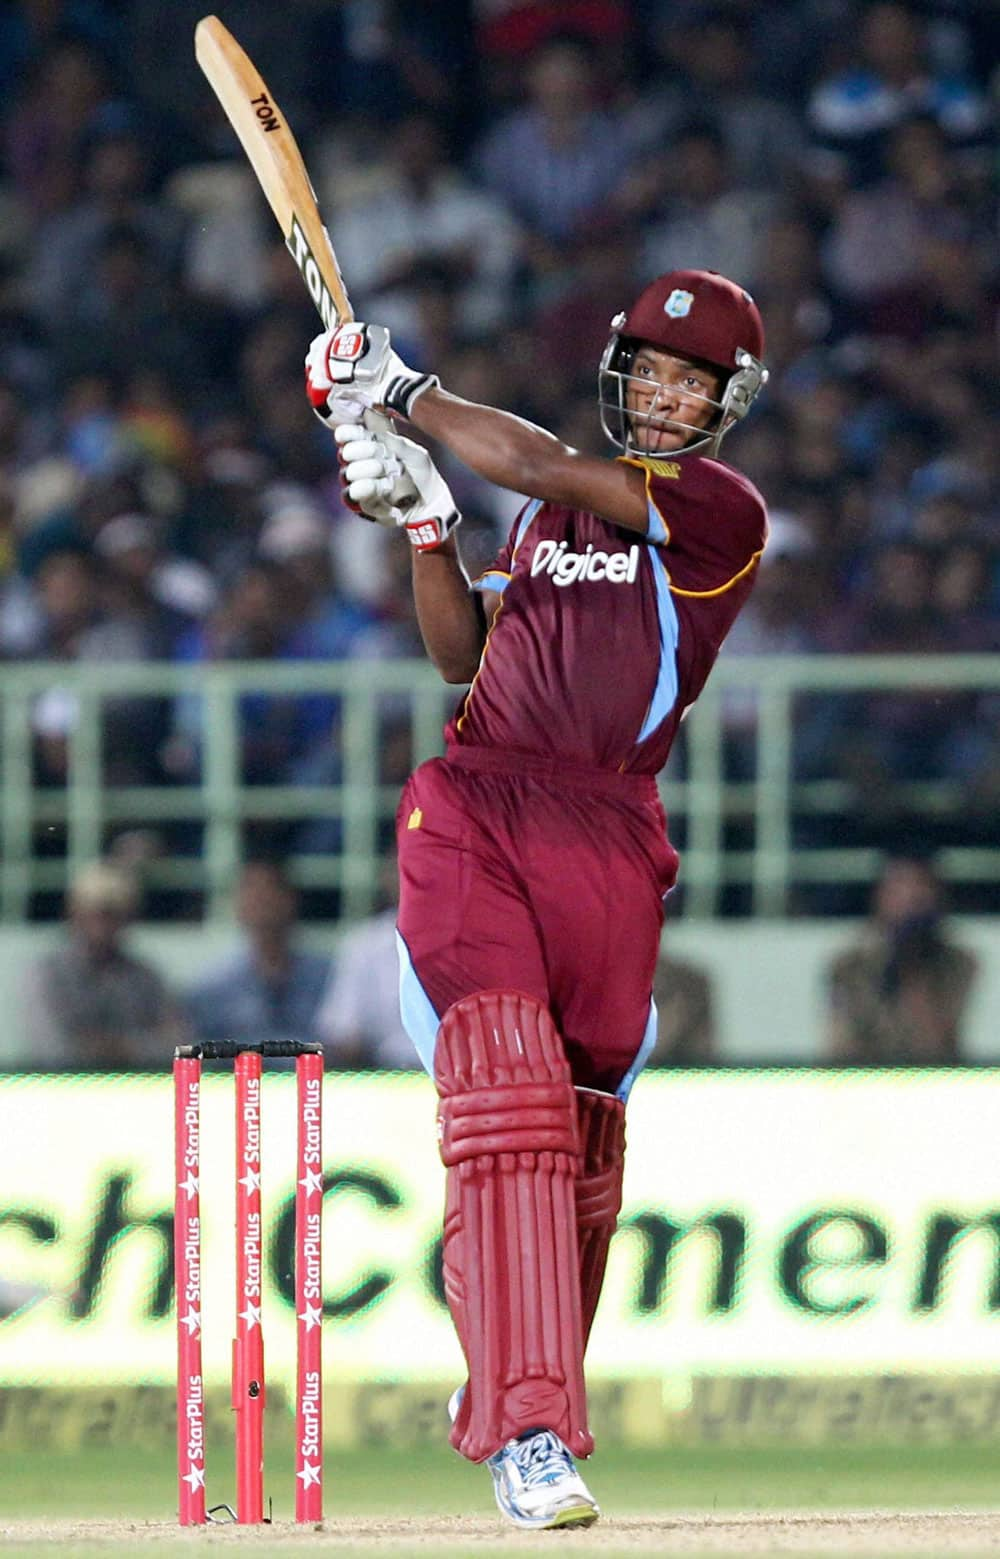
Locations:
{"points": [[509, 1140], [598, 1190]]}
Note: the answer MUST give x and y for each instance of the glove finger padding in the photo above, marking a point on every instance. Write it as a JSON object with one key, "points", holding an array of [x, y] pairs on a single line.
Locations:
{"points": [[432, 515], [362, 490], [362, 449], [373, 481], [393, 481], [377, 471]]}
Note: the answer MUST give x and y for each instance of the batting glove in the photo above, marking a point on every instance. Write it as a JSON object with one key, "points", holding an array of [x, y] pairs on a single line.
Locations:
{"points": [[432, 516], [374, 481], [393, 481], [355, 364]]}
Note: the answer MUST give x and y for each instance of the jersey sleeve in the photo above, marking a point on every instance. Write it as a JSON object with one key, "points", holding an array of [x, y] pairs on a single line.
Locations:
{"points": [[497, 576], [708, 523]]}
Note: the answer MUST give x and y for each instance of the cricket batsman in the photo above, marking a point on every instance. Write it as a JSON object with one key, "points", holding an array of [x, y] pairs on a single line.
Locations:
{"points": [[534, 855]]}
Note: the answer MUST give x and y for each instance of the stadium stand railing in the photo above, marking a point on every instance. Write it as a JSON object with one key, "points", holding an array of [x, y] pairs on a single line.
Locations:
{"points": [[768, 857]]}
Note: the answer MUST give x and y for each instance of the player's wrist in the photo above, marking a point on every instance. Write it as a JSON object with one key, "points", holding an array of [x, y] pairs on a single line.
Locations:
{"points": [[429, 533], [404, 388]]}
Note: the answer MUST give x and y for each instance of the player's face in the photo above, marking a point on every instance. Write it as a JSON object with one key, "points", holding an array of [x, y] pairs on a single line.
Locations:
{"points": [[671, 398]]}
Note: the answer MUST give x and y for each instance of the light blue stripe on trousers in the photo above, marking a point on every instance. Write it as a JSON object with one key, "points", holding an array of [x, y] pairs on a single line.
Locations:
{"points": [[421, 1022], [419, 1018]]}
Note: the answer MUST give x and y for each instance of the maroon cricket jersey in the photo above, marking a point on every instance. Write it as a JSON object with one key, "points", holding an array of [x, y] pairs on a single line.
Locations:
{"points": [[604, 637]]}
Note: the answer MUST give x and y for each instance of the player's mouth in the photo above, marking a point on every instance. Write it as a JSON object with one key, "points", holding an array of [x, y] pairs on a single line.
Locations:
{"points": [[656, 434]]}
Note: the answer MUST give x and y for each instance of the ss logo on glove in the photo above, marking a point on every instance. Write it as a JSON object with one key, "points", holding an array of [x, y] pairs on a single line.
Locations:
{"points": [[358, 359], [348, 343]]}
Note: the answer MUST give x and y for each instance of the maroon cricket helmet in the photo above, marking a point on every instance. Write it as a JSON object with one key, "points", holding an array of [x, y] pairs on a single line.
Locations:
{"points": [[697, 314]]}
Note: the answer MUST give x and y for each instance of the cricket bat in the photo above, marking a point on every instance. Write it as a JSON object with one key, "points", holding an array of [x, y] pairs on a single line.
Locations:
{"points": [[270, 145]]}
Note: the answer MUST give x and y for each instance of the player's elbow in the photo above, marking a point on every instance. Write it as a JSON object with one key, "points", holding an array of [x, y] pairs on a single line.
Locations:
{"points": [[453, 660], [457, 670]]}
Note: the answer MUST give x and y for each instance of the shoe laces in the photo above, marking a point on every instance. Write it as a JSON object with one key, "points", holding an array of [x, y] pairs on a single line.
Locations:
{"points": [[541, 1458]]}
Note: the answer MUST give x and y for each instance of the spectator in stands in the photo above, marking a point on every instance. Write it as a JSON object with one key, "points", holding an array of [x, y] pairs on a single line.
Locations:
{"points": [[27, 30], [802, 314], [358, 1019], [44, 138], [90, 1004], [325, 623], [142, 589], [377, 63], [223, 515], [74, 247], [270, 988], [964, 585], [104, 607], [227, 234], [882, 244], [702, 216], [899, 996], [65, 604], [880, 740], [685, 1011], [270, 373], [893, 75], [129, 298], [558, 159], [508, 34], [570, 334], [278, 731], [432, 222], [779, 619], [710, 63]]}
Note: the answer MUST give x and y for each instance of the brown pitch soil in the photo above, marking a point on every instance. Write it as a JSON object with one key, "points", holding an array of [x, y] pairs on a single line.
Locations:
{"points": [[805, 1535]]}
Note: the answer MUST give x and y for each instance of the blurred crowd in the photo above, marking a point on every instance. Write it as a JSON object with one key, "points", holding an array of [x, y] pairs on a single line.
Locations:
{"points": [[898, 993], [499, 178]]}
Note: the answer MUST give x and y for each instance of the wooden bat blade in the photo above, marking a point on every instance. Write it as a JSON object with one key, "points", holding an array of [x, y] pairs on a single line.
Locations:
{"points": [[275, 157]]}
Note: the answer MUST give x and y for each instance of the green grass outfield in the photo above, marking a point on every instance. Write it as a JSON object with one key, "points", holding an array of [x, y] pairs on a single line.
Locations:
{"points": [[126, 1485]]}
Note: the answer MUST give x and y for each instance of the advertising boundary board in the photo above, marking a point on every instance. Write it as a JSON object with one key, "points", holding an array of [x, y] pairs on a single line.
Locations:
{"points": [[867, 1410], [786, 1226]]}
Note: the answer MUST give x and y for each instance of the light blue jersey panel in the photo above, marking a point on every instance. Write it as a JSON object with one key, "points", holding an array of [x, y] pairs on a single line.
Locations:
{"points": [[641, 1056], [419, 1018], [492, 580], [665, 692]]}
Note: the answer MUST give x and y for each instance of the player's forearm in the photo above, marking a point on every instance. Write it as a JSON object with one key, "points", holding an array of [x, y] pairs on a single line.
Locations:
{"points": [[449, 615], [512, 453], [498, 446]]}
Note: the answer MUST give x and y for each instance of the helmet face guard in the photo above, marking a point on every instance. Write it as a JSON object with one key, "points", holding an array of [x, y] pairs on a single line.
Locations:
{"points": [[697, 316], [626, 427]]}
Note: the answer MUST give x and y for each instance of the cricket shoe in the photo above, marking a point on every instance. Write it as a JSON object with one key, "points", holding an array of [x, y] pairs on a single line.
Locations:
{"points": [[535, 1480]]}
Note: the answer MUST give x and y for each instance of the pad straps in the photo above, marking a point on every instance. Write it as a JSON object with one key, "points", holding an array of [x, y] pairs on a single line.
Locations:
{"points": [[601, 1119]]}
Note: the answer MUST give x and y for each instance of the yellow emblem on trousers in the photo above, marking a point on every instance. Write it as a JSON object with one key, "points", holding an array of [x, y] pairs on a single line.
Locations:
{"points": [[415, 818]]}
